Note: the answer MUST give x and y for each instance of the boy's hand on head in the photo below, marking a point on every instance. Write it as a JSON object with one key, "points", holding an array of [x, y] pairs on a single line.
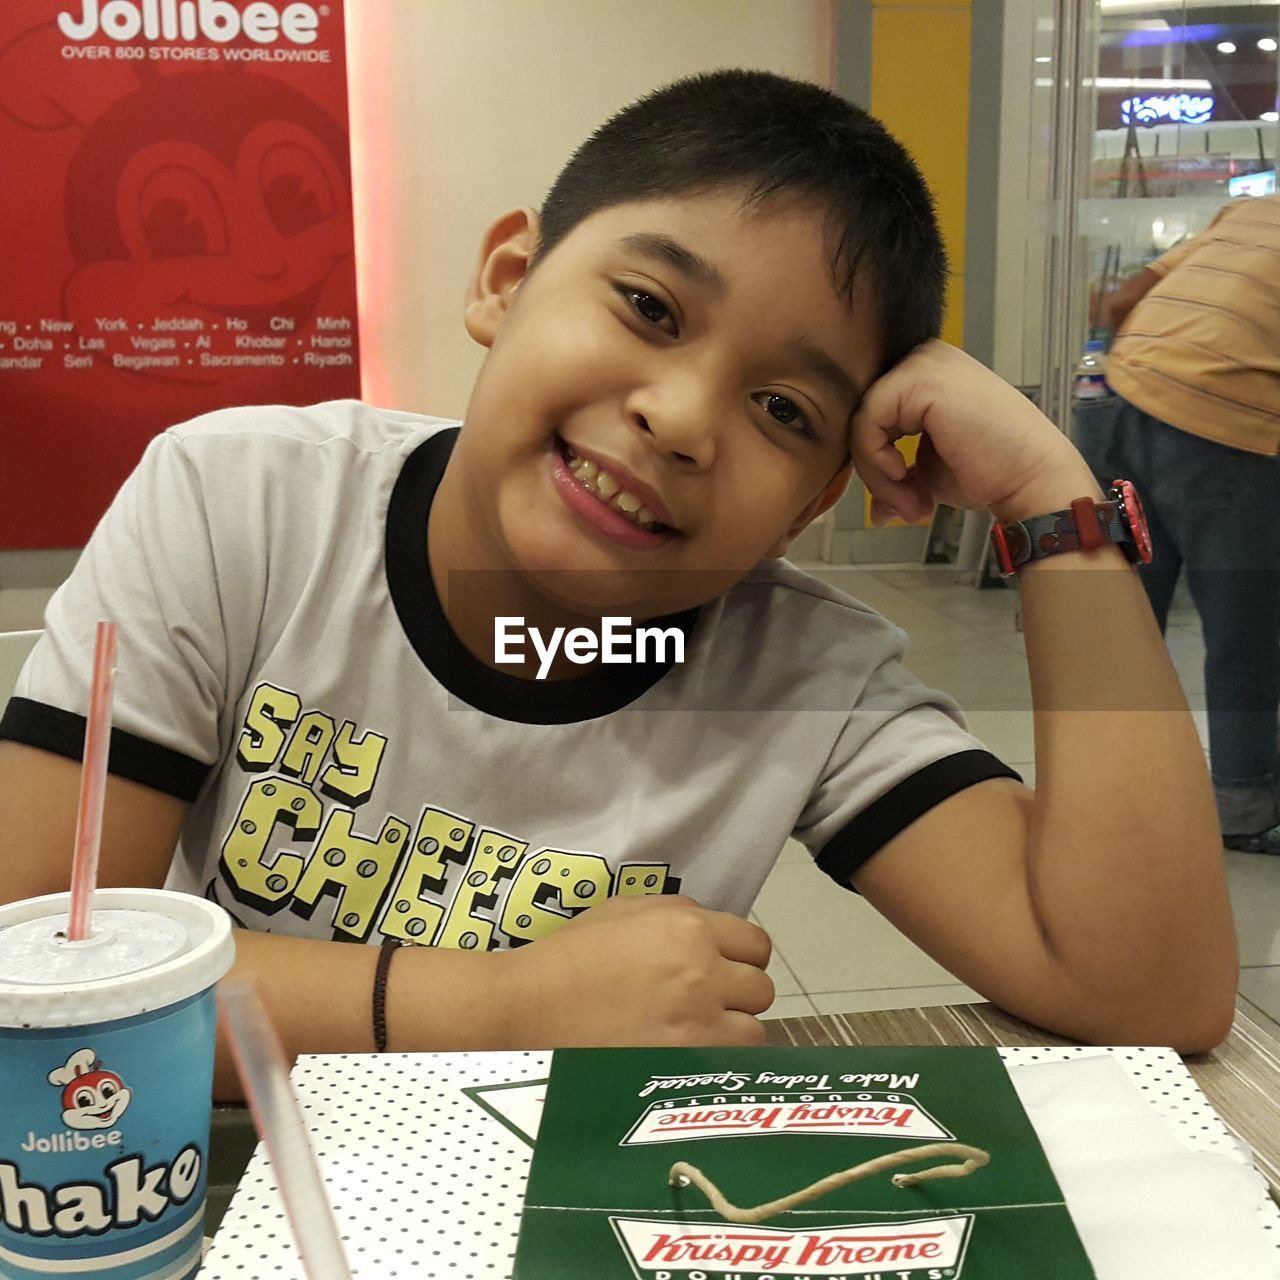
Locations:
{"points": [[983, 444], [643, 971]]}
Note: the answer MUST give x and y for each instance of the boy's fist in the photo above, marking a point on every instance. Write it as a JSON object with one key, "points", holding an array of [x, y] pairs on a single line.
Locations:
{"points": [[642, 971], [982, 442]]}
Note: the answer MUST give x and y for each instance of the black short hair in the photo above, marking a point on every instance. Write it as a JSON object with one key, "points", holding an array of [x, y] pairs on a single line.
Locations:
{"points": [[771, 136]]}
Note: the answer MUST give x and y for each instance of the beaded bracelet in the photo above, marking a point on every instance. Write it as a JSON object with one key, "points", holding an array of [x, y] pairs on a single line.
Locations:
{"points": [[388, 949]]}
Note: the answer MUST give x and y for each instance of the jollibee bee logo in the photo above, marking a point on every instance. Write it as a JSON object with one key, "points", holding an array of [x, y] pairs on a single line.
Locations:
{"points": [[91, 1097]]}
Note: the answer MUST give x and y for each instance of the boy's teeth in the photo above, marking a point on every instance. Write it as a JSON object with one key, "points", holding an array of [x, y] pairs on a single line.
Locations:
{"points": [[605, 487]]}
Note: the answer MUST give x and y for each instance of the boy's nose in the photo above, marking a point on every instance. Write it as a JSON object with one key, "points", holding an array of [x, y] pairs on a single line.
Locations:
{"points": [[680, 427]]}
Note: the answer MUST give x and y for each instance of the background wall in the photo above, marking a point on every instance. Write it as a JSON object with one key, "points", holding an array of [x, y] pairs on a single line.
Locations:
{"points": [[463, 109], [909, 63], [920, 89]]}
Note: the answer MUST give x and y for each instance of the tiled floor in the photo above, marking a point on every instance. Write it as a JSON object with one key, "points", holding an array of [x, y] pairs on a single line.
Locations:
{"points": [[832, 952]]}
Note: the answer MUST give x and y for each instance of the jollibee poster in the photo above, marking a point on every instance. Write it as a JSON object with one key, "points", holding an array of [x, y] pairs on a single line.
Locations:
{"points": [[177, 222]]}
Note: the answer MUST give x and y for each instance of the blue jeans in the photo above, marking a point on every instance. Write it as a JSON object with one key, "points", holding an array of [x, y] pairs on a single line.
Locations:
{"points": [[1215, 512]]}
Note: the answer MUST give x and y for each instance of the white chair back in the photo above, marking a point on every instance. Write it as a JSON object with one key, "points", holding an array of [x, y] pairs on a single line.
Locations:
{"points": [[14, 647]]}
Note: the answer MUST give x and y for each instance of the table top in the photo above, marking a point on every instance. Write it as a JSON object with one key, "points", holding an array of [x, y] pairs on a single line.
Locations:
{"points": [[1241, 1078]]}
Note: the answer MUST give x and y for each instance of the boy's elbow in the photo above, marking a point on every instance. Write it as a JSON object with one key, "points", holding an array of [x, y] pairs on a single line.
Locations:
{"points": [[1185, 1034], [1209, 1030], [1206, 1013], [1192, 1015], [1191, 1005], [1190, 1022]]}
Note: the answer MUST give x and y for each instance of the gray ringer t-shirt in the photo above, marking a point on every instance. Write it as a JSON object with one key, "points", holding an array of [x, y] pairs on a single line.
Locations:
{"points": [[285, 665]]}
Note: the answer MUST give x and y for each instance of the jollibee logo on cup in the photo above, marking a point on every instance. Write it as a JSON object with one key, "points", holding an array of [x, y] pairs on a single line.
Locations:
{"points": [[91, 1098], [130, 1193]]}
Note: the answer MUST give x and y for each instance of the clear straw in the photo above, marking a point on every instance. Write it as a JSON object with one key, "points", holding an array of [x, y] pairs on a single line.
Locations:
{"points": [[261, 1064], [93, 785]]}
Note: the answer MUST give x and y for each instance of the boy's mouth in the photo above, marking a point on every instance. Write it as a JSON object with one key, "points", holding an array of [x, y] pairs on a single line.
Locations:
{"points": [[607, 489]]}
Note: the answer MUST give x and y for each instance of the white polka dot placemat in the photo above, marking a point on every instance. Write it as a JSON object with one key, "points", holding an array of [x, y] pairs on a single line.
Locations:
{"points": [[1169, 1088], [424, 1181], [426, 1165]]}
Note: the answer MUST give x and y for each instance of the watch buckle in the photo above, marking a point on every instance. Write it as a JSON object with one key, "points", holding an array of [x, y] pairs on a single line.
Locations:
{"points": [[1004, 556]]}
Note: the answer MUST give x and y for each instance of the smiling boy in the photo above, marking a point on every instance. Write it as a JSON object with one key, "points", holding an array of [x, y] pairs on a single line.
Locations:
{"points": [[725, 305]]}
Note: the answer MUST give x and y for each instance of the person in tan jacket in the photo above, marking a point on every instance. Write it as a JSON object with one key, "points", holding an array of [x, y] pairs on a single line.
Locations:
{"points": [[1195, 366]]}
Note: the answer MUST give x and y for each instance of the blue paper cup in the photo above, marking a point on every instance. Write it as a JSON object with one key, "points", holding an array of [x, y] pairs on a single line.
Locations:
{"points": [[106, 1071]]}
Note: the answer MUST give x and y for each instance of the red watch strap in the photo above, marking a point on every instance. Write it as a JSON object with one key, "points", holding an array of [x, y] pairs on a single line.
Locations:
{"points": [[1088, 530]]}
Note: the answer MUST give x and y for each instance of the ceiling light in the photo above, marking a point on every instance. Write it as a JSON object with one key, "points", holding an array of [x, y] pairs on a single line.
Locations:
{"points": [[1149, 82], [1226, 47], [1045, 58], [1267, 44], [1270, 116]]}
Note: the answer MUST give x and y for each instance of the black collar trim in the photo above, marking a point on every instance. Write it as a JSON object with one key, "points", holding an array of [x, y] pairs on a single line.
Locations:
{"points": [[602, 690]]}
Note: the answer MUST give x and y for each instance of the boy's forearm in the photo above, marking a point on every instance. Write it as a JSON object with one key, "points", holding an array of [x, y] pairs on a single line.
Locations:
{"points": [[1125, 861], [631, 970], [319, 996]]}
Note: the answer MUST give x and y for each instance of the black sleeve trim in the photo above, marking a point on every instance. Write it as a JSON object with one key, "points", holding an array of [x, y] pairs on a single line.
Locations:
{"points": [[880, 821], [36, 724]]}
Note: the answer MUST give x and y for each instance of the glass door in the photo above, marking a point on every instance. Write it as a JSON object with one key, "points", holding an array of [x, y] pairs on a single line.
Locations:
{"points": [[1160, 113]]}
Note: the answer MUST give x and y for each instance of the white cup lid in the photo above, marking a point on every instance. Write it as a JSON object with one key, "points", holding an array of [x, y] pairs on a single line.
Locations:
{"points": [[147, 948]]}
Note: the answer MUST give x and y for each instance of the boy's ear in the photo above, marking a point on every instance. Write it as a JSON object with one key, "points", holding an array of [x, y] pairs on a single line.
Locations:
{"points": [[504, 262], [823, 502]]}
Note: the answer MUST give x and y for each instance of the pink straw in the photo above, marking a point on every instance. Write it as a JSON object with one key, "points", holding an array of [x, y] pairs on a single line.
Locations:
{"points": [[93, 785], [260, 1062]]}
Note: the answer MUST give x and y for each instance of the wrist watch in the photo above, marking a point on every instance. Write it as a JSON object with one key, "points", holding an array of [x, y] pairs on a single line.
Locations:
{"points": [[1086, 524]]}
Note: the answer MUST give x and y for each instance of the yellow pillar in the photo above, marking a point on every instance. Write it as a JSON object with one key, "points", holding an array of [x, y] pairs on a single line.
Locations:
{"points": [[920, 91]]}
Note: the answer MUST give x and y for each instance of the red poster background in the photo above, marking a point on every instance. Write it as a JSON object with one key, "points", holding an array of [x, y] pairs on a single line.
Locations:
{"points": [[176, 219]]}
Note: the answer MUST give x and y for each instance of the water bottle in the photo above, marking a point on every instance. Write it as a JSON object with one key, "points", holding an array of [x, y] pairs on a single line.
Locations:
{"points": [[1091, 372]]}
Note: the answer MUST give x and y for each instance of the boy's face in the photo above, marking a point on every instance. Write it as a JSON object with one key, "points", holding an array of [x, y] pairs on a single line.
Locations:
{"points": [[695, 352]]}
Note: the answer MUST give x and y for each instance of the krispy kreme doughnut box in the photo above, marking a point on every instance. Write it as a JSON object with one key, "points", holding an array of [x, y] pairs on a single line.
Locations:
{"points": [[763, 1123]]}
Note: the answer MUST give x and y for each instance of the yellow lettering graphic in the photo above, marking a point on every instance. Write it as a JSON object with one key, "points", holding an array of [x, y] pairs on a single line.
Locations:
{"points": [[495, 859], [352, 777], [635, 879], [441, 839], [352, 868], [271, 711], [309, 746], [253, 880], [551, 888]]}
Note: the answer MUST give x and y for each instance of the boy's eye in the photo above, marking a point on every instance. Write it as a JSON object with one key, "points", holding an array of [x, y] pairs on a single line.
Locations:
{"points": [[786, 412], [648, 307]]}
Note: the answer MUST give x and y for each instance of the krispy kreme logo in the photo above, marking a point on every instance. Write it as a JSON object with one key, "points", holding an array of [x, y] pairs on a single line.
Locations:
{"points": [[886, 1115], [929, 1249]]}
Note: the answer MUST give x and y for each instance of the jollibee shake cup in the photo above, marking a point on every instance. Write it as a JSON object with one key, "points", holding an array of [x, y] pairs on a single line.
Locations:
{"points": [[106, 1071]]}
